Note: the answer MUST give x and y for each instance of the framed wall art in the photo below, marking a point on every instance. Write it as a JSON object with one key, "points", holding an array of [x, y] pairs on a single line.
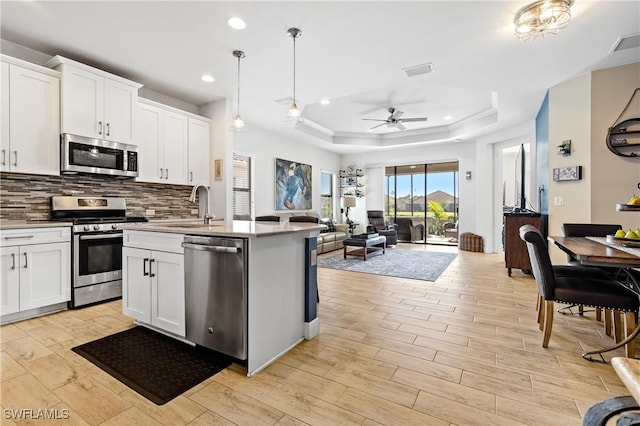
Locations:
{"points": [[292, 185], [217, 169], [567, 173]]}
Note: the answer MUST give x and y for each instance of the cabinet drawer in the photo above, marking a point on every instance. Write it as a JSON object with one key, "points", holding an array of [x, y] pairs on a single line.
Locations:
{"points": [[21, 237], [150, 240]]}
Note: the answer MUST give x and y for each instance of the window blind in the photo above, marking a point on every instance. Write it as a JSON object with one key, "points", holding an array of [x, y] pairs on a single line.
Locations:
{"points": [[242, 187]]}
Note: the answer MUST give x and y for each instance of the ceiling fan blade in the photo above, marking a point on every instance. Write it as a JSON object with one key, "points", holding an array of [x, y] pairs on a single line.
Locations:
{"points": [[407, 120], [400, 126], [373, 119], [376, 126], [396, 114]]}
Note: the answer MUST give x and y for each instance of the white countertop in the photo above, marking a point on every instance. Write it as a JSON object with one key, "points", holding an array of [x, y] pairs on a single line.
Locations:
{"points": [[236, 228], [26, 224]]}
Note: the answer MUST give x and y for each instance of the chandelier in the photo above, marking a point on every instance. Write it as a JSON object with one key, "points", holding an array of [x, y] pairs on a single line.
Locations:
{"points": [[238, 122], [541, 18], [294, 112]]}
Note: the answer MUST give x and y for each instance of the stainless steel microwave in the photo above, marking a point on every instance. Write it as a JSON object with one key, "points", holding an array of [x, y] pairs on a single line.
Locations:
{"points": [[79, 154]]}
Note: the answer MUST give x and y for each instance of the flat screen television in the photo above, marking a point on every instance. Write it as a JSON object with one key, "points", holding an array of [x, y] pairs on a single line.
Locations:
{"points": [[520, 183]]}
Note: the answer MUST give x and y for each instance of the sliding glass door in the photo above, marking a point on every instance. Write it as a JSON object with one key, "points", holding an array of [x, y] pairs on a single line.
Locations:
{"points": [[422, 199]]}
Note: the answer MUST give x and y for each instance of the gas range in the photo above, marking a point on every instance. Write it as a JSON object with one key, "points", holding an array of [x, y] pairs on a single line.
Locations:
{"points": [[96, 245], [92, 214]]}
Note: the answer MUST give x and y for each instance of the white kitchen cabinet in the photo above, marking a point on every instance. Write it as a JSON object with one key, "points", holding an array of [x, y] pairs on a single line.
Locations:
{"points": [[173, 145], [163, 145], [199, 161], [96, 104], [10, 280], [30, 118], [35, 270], [153, 280], [175, 148]]}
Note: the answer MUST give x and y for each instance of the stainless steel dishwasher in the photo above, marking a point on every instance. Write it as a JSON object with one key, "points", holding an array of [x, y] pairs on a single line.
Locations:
{"points": [[216, 293]]}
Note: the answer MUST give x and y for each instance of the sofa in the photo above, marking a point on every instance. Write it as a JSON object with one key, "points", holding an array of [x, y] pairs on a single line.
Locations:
{"points": [[330, 238]]}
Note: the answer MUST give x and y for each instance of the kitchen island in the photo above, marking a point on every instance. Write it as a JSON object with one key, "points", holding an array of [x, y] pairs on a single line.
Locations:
{"points": [[278, 256]]}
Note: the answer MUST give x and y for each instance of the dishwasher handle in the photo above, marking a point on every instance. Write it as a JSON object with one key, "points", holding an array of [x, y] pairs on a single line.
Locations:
{"points": [[217, 249]]}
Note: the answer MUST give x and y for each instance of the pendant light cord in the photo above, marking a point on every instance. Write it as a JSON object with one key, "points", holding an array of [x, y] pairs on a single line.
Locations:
{"points": [[294, 69], [238, 85]]}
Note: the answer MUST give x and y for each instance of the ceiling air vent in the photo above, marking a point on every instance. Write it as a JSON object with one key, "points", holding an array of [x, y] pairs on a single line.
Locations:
{"points": [[419, 69], [626, 42]]}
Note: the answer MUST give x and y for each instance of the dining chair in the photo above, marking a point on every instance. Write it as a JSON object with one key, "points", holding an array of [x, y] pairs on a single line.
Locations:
{"points": [[592, 230], [565, 286], [267, 218]]}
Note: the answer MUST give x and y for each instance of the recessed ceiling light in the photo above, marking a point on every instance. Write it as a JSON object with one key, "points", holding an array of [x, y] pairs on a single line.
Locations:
{"points": [[237, 23], [208, 78], [325, 102], [448, 117]]}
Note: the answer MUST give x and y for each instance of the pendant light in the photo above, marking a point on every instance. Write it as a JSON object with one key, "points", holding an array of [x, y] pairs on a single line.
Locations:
{"points": [[294, 112], [238, 122]]}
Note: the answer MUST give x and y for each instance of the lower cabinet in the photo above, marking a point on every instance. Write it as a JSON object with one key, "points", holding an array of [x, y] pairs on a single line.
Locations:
{"points": [[153, 288], [34, 273], [516, 255]]}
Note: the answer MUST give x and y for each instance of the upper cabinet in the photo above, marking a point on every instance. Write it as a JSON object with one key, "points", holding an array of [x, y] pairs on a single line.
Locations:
{"points": [[199, 162], [95, 103], [173, 145], [30, 118]]}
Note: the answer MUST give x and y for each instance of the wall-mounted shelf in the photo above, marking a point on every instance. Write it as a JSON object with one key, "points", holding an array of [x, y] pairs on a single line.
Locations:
{"points": [[351, 182], [627, 208], [622, 140]]}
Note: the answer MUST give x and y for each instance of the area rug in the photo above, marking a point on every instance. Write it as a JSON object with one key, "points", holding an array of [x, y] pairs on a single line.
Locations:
{"points": [[156, 366], [419, 265]]}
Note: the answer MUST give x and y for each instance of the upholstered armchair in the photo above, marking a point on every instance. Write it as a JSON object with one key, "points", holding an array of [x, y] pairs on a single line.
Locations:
{"points": [[408, 231], [378, 224], [451, 230]]}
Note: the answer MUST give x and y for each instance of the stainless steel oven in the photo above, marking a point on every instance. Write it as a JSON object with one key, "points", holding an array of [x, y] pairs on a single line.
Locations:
{"points": [[96, 245]]}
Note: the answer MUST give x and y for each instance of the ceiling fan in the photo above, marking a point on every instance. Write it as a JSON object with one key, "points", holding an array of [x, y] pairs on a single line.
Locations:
{"points": [[394, 120]]}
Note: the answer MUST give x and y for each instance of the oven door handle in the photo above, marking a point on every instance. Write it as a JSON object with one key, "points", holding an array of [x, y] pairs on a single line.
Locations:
{"points": [[101, 237]]}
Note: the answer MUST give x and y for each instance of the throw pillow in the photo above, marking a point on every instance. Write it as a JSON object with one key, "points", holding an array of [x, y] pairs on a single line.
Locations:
{"points": [[330, 226]]}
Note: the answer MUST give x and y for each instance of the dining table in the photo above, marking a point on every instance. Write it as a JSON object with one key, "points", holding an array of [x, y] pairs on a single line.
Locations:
{"points": [[622, 260]]}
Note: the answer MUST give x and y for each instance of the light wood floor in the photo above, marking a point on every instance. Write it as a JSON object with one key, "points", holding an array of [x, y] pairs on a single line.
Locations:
{"points": [[463, 350]]}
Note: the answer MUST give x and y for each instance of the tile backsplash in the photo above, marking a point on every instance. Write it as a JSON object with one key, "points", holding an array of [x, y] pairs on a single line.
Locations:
{"points": [[28, 197]]}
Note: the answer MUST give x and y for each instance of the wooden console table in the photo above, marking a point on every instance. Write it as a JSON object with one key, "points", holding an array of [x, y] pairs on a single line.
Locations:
{"points": [[515, 250]]}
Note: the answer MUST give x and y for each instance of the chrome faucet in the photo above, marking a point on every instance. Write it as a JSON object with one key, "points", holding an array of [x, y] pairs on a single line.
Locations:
{"points": [[203, 210]]}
